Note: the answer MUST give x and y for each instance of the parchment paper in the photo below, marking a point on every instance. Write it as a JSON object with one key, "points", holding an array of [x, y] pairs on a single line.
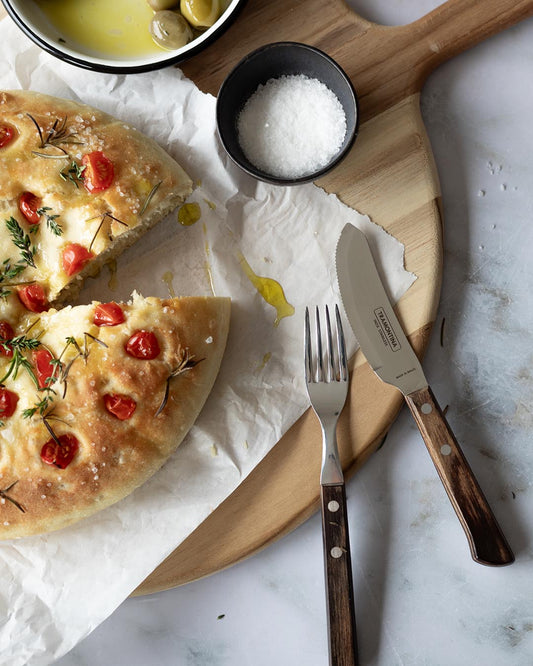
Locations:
{"points": [[56, 588]]}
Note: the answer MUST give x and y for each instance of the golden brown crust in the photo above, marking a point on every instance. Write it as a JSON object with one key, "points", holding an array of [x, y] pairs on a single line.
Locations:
{"points": [[114, 456]]}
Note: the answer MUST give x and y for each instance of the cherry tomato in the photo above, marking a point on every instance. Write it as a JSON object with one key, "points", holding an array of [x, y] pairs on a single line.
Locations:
{"points": [[98, 173], [121, 406], [143, 344], [7, 134], [33, 298], [44, 368], [8, 403], [109, 314], [61, 454], [75, 257], [29, 204], [6, 333]]}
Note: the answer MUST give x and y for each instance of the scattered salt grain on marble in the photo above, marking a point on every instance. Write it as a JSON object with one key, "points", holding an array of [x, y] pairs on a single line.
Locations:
{"points": [[291, 126]]}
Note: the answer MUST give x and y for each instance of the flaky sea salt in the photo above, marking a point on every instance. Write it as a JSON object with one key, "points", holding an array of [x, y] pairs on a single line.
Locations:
{"points": [[291, 126]]}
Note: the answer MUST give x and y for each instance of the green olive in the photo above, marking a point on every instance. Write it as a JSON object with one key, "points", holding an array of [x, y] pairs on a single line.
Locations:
{"points": [[170, 30], [158, 5], [201, 13]]}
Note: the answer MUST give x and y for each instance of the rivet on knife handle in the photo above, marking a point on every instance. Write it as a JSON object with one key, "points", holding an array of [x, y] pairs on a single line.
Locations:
{"points": [[486, 540]]}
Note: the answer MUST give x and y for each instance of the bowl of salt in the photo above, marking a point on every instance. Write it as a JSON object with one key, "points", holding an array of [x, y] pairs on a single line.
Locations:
{"points": [[287, 113]]}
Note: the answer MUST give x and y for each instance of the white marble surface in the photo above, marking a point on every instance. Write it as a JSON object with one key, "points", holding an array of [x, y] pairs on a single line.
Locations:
{"points": [[420, 599]]}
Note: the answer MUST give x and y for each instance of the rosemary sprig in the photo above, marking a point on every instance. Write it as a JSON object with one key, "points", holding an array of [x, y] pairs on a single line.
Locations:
{"points": [[103, 218], [81, 353], [73, 173], [63, 156], [22, 241], [4, 494], [46, 418], [51, 220], [186, 363], [57, 135], [150, 197]]}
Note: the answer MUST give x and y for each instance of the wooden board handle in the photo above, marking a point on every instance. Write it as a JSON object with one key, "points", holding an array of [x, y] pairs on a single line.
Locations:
{"points": [[409, 53], [457, 25], [487, 542], [339, 583]]}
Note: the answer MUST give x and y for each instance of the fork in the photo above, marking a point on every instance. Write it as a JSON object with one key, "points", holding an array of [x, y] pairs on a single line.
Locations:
{"points": [[326, 377]]}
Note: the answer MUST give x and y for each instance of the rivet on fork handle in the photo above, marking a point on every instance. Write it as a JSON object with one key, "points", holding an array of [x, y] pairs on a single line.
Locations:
{"points": [[338, 572]]}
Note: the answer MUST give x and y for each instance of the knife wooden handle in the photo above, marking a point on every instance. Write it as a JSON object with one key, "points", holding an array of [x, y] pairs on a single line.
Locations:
{"points": [[339, 583], [487, 543]]}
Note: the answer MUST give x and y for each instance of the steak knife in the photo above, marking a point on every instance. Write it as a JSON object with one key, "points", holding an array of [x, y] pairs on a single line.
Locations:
{"points": [[387, 350]]}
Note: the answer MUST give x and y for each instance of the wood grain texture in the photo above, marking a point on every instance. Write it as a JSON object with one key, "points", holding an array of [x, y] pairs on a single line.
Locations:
{"points": [[391, 176], [487, 542], [338, 574]]}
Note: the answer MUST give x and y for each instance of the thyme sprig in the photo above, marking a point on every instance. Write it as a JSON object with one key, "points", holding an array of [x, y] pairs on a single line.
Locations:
{"points": [[73, 173], [51, 220], [103, 218], [18, 345], [8, 272], [60, 373], [186, 363], [56, 136], [42, 406], [4, 291], [4, 495], [22, 241]]}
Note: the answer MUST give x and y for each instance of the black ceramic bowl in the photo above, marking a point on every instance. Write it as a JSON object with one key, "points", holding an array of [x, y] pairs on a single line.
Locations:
{"points": [[38, 27], [271, 62]]}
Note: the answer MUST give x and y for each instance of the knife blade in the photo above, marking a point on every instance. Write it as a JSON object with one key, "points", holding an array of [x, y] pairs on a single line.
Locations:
{"points": [[387, 350]]}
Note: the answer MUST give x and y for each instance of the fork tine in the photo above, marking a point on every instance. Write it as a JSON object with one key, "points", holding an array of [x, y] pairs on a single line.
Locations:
{"points": [[343, 361], [320, 364], [307, 344], [332, 375]]}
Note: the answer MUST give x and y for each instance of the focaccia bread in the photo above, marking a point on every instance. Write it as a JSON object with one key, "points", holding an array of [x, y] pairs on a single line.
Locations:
{"points": [[93, 398], [115, 400]]}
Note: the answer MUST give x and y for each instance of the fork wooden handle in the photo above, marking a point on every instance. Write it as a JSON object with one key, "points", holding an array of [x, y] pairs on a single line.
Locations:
{"points": [[487, 543], [339, 582]]}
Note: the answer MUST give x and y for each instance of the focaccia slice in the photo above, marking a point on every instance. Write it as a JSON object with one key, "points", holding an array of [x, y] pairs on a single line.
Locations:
{"points": [[77, 186], [120, 386]]}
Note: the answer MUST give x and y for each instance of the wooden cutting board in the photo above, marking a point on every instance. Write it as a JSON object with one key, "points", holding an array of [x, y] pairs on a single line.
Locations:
{"points": [[389, 175]]}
